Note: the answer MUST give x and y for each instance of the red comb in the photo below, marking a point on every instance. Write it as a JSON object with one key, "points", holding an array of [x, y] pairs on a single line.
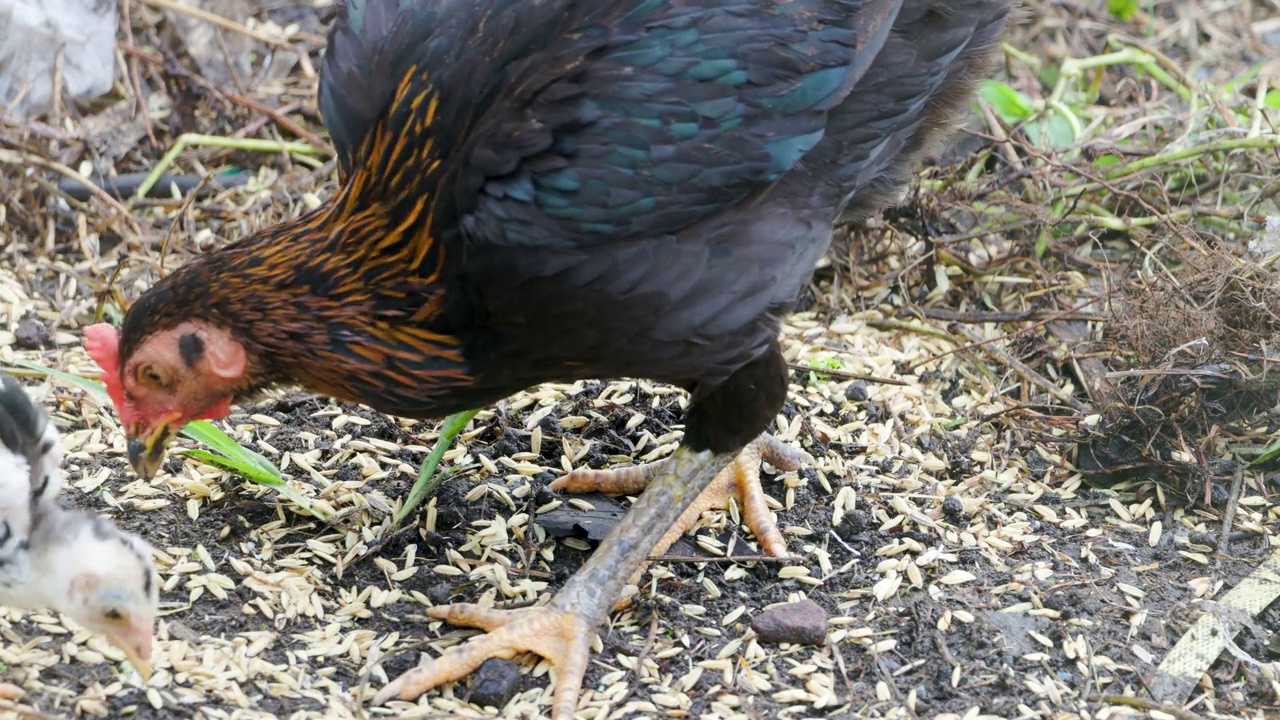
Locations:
{"points": [[102, 341]]}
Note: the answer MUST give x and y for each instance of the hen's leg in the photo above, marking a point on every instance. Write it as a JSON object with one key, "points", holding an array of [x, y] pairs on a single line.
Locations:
{"points": [[740, 480], [721, 421], [561, 631]]}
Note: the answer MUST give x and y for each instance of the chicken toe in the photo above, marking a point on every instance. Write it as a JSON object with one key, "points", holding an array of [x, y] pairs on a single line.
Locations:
{"points": [[740, 479], [563, 637], [562, 630]]}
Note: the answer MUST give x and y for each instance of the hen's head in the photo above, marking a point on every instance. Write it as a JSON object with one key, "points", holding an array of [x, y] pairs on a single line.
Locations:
{"points": [[161, 380]]}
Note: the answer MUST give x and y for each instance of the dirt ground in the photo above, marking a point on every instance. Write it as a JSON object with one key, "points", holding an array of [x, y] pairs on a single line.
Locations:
{"points": [[1023, 465]]}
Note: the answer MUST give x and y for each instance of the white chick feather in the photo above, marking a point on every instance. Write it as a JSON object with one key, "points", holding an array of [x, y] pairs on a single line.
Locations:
{"points": [[68, 560]]}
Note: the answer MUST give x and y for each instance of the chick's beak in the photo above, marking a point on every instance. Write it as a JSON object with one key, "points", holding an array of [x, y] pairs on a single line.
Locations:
{"points": [[146, 453], [135, 642]]}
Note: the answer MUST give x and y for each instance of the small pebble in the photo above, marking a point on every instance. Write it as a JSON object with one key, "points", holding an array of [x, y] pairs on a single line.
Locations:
{"points": [[494, 683], [30, 334], [953, 508], [439, 594], [800, 623], [543, 495], [857, 391]]}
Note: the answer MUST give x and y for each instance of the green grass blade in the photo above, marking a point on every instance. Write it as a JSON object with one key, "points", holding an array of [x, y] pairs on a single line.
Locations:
{"points": [[1269, 453], [96, 388], [226, 452], [426, 483], [249, 472], [254, 474], [256, 465]]}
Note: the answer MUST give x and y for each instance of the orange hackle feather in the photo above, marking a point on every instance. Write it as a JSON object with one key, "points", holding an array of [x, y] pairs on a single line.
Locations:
{"points": [[343, 299]]}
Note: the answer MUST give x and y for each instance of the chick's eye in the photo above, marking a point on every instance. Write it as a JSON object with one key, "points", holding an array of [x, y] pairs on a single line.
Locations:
{"points": [[113, 614]]}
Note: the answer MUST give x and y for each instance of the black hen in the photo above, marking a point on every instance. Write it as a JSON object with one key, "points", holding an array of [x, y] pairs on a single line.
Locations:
{"points": [[552, 190]]}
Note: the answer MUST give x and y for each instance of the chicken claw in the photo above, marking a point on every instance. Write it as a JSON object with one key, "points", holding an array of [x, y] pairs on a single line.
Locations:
{"points": [[562, 630], [740, 479], [563, 637]]}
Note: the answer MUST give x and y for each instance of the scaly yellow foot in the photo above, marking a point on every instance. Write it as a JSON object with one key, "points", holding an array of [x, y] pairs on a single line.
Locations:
{"points": [[562, 637], [562, 630], [740, 479]]}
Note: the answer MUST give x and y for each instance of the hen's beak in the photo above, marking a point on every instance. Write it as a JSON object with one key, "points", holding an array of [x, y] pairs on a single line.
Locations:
{"points": [[146, 454], [135, 642]]}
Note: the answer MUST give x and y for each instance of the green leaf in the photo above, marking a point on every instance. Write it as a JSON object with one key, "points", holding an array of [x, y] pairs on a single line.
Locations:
{"points": [[1049, 75], [1059, 132], [254, 474], [1034, 133], [96, 388], [1094, 90], [1271, 452], [1272, 99], [203, 431], [230, 455], [1123, 9], [1009, 104], [1042, 245], [826, 363], [427, 481], [247, 471], [1247, 77], [1106, 160]]}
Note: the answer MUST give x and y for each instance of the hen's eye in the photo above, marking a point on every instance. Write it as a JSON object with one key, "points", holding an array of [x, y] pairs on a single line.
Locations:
{"points": [[113, 614], [151, 376]]}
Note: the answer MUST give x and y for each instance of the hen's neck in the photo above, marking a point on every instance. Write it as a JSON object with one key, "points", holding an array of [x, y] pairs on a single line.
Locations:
{"points": [[345, 301]]}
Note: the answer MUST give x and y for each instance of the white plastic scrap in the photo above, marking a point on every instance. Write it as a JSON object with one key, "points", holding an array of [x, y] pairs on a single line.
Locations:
{"points": [[1268, 243], [32, 32]]}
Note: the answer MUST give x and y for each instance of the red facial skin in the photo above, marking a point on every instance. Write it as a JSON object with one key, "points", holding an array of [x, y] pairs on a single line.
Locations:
{"points": [[157, 388]]}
